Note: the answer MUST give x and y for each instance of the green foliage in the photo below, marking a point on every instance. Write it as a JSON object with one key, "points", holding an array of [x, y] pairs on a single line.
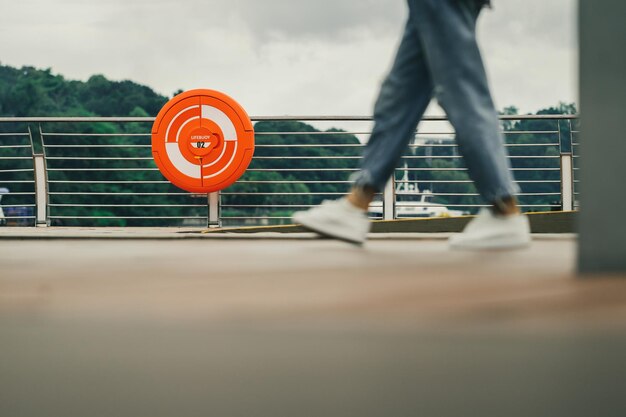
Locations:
{"points": [[533, 145], [28, 91], [297, 153], [290, 169]]}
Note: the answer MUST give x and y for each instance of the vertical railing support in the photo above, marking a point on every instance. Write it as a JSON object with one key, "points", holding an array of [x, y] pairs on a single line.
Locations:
{"points": [[214, 210], [389, 199], [41, 190], [567, 182], [567, 170]]}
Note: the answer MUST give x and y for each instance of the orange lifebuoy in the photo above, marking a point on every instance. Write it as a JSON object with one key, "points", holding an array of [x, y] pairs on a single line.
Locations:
{"points": [[202, 141]]}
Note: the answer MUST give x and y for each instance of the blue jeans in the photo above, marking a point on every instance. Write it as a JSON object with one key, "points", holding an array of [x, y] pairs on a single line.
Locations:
{"points": [[439, 56]]}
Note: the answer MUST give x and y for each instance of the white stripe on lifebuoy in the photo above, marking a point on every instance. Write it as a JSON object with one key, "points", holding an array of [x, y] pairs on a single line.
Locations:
{"points": [[180, 163], [219, 157], [221, 119], [183, 125], [225, 166], [167, 132]]}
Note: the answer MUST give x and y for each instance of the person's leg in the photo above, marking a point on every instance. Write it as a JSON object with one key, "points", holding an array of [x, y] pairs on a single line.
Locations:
{"points": [[402, 100], [448, 28]]}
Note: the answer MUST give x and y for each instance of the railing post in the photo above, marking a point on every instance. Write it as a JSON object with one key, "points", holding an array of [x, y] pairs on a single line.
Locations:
{"points": [[41, 190], [567, 182], [214, 210], [567, 177], [389, 199]]}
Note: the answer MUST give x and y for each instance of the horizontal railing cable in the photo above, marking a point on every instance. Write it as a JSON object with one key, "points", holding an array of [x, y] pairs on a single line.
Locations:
{"points": [[110, 178]]}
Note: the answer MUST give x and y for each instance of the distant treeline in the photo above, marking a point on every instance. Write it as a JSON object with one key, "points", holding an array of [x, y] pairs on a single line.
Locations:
{"points": [[294, 176], [28, 91]]}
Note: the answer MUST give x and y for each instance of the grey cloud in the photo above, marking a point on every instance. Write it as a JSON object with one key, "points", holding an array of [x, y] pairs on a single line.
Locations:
{"points": [[539, 22], [266, 21], [320, 18], [308, 48], [270, 19]]}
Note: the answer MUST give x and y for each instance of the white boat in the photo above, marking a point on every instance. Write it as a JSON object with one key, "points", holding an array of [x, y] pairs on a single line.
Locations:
{"points": [[3, 220], [410, 202], [424, 207]]}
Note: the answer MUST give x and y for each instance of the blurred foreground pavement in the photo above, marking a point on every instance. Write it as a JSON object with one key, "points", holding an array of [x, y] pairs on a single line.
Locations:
{"points": [[230, 326]]}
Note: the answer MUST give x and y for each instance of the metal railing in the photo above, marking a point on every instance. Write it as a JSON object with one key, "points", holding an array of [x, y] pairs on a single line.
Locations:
{"points": [[17, 177], [99, 171]]}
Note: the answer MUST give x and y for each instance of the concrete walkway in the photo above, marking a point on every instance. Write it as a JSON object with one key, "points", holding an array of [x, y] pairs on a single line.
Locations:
{"points": [[163, 322], [113, 272]]}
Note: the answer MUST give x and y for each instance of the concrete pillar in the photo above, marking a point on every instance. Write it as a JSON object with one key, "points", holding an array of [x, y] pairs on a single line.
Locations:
{"points": [[602, 225]]}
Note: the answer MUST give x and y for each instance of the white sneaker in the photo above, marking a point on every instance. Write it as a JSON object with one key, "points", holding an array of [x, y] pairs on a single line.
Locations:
{"points": [[338, 219], [488, 231]]}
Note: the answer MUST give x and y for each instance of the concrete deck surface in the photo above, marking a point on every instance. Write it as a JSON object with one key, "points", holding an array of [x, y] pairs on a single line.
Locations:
{"points": [[185, 324]]}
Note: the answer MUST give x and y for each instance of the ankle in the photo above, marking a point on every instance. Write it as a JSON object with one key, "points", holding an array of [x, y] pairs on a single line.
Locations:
{"points": [[361, 197], [506, 206]]}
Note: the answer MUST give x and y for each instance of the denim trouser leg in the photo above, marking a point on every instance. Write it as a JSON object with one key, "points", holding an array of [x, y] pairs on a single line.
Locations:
{"points": [[443, 47], [402, 100]]}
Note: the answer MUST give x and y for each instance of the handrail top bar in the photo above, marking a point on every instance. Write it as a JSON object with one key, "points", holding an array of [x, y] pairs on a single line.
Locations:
{"points": [[38, 119]]}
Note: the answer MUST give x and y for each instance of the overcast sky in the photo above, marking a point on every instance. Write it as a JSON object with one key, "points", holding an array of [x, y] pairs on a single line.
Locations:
{"points": [[281, 57]]}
